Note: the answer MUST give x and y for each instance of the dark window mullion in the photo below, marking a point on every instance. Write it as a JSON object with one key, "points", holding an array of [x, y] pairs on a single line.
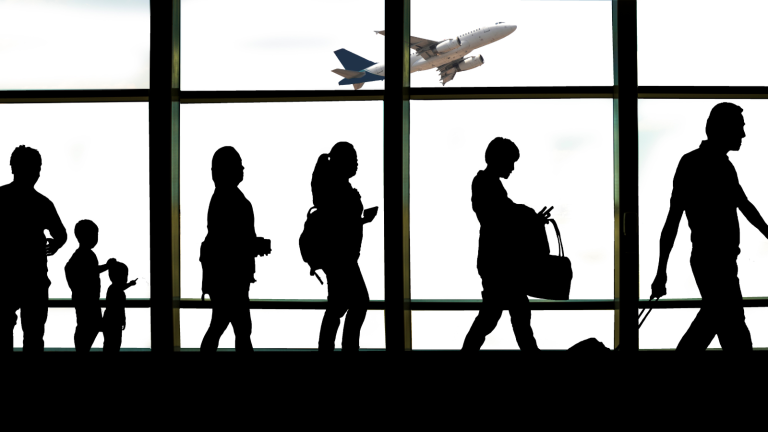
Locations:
{"points": [[626, 255], [397, 290]]}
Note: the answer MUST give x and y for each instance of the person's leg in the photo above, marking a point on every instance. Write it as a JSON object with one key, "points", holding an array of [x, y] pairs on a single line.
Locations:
{"points": [[219, 322], [88, 325], [358, 300], [34, 314], [722, 312], [701, 332], [9, 309], [113, 335], [336, 309], [730, 321], [520, 314], [490, 312], [241, 320]]}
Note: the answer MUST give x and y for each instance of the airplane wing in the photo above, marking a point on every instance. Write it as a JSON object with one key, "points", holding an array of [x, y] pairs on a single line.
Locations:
{"points": [[422, 46], [448, 70]]}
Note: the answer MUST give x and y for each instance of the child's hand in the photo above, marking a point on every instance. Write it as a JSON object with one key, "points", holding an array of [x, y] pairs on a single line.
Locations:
{"points": [[123, 326], [132, 283]]}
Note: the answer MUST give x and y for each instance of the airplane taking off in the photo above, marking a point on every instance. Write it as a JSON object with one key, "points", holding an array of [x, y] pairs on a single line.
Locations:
{"points": [[448, 56]]}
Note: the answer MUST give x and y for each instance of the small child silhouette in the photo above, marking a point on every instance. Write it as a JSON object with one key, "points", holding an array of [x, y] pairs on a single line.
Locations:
{"points": [[82, 272], [113, 323]]}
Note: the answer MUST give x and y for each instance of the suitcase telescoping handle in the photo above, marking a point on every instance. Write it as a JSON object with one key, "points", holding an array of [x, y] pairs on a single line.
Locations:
{"points": [[649, 308]]}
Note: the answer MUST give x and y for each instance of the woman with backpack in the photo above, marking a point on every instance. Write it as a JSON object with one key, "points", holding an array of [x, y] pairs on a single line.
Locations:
{"points": [[343, 217]]}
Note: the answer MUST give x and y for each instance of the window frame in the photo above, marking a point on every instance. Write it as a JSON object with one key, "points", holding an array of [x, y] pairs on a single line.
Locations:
{"points": [[165, 93]]}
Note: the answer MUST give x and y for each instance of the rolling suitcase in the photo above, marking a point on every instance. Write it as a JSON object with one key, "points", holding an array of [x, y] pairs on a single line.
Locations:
{"points": [[593, 344]]}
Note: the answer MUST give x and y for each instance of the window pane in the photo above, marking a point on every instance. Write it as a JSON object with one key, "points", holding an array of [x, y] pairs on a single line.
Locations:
{"points": [[279, 144], [552, 329], [665, 327], [247, 45], [74, 44], [702, 42], [280, 329], [556, 43], [566, 161], [95, 166], [62, 322], [668, 129]]}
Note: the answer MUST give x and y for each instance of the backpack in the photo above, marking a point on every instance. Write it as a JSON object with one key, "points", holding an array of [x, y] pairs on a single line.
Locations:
{"points": [[313, 239]]}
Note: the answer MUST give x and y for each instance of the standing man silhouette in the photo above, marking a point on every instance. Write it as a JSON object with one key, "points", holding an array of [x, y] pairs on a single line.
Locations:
{"points": [[707, 189], [24, 248], [504, 252], [227, 253]]}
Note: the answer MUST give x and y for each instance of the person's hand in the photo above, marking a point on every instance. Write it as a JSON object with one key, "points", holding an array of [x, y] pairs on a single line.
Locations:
{"points": [[369, 214], [133, 282], [659, 286], [263, 246], [123, 326], [51, 247], [544, 214]]}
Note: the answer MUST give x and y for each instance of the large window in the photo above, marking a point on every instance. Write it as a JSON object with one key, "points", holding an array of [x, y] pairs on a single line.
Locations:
{"points": [[601, 97], [74, 44]]}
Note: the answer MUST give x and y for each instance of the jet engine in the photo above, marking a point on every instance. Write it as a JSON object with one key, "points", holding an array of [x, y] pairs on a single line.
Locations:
{"points": [[470, 63], [448, 45]]}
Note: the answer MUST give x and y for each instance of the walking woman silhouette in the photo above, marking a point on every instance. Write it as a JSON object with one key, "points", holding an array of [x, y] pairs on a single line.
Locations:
{"points": [[343, 208]]}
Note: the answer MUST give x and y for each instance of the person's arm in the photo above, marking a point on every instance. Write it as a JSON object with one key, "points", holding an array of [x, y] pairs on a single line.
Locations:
{"points": [[667, 240], [57, 230], [753, 216]]}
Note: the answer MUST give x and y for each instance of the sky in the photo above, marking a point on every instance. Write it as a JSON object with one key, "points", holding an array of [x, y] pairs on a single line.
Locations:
{"points": [[246, 45]]}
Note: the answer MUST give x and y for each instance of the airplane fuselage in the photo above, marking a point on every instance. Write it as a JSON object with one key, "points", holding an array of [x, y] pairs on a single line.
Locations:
{"points": [[469, 42]]}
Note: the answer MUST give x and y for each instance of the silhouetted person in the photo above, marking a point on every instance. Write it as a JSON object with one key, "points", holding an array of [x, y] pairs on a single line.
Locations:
{"points": [[82, 273], [114, 315], [227, 253], [707, 189], [504, 254], [343, 208], [24, 249]]}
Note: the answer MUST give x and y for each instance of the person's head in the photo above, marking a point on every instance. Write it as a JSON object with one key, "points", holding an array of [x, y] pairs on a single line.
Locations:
{"points": [[227, 167], [501, 156], [118, 273], [25, 165], [725, 125], [87, 233], [343, 158]]}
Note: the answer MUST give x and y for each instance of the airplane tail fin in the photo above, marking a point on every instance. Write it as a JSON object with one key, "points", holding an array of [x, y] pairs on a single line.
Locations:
{"points": [[352, 61], [358, 85], [348, 73]]}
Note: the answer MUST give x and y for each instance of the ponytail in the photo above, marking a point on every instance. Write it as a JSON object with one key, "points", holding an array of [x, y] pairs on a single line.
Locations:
{"points": [[320, 179]]}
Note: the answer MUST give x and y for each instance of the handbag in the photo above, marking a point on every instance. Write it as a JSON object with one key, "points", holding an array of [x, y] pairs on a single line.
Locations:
{"points": [[553, 274]]}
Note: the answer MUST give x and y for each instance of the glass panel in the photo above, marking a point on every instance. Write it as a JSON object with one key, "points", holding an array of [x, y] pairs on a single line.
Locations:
{"points": [[552, 329], [668, 129], [74, 44], [665, 328], [62, 322], [702, 42], [280, 329], [279, 144], [554, 43], [566, 161], [95, 166], [247, 45]]}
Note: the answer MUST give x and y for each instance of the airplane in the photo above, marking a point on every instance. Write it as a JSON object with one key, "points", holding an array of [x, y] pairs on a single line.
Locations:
{"points": [[449, 56]]}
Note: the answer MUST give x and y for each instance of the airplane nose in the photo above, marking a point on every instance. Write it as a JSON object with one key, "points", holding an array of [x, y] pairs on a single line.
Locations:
{"points": [[512, 28]]}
